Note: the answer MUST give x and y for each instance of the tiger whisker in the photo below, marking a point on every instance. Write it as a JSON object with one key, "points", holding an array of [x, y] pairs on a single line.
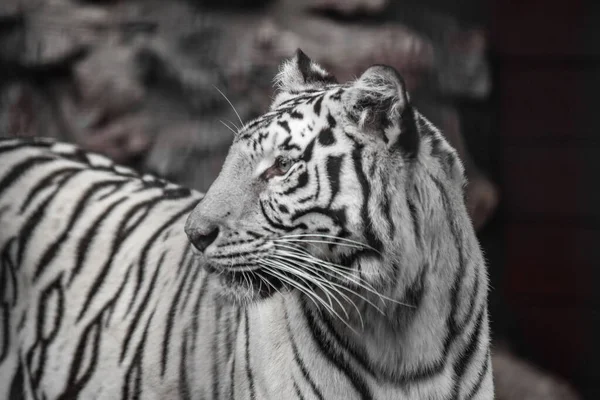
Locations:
{"points": [[228, 127], [297, 259], [312, 279], [338, 285], [303, 255], [230, 122], [271, 269], [309, 294], [231, 104], [336, 239], [266, 281], [335, 289], [302, 251], [357, 280], [321, 242], [332, 285]]}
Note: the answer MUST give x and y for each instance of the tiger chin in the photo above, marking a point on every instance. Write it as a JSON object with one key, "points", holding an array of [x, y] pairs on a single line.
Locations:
{"points": [[338, 216]]}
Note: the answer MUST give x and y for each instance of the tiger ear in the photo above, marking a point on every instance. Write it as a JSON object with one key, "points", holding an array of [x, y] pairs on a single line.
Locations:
{"points": [[301, 73], [379, 104]]}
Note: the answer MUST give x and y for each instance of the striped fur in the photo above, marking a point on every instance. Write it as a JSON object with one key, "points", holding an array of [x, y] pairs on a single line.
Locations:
{"points": [[333, 259]]}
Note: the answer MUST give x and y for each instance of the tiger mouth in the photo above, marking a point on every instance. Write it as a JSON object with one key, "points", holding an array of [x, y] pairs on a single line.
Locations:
{"points": [[255, 279]]}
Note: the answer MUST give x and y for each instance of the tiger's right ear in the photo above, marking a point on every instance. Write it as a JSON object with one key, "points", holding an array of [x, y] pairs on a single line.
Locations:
{"points": [[380, 106], [301, 73]]}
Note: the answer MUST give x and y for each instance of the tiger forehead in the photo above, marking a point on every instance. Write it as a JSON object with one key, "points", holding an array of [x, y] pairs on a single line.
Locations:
{"points": [[304, 106], [293, 123]]}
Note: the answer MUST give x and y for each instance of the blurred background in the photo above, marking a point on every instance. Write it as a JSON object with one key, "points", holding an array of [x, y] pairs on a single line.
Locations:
{"points": [[512, 84]]}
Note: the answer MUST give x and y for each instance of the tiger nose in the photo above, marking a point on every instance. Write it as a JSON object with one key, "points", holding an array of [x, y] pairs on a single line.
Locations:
{"points": [[201, 238]]}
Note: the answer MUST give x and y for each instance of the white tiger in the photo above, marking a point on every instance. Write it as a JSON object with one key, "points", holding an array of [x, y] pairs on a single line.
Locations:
{"points": [[333, 258]]}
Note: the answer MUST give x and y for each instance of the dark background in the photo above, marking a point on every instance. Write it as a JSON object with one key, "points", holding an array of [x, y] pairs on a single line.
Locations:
{"points": [[540, 144], [545, 54]]}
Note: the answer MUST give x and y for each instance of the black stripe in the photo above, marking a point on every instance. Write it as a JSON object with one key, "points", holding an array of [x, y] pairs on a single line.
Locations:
{"points": [[466, 357], [337, 95], [172, 311], [409, 139], [285, 145], [137, 367], [42, 341], [82, 247], [33, 222], [314, 196], [17, 391], [371, 236], [196, 311], [27, 373], [331, 121], [317, 105], [302, 181], [386, 209], [24, 143], [248, 367], [337, 216], [79, 208], [110, 305], [334, 169], [285, 125], [415, 222], [215, 352], [138, 314], [91, 334], [5, 326], [482, 375], [300, 362], [276, 225], [8, 273], [78, 155], [415, 292], [308, 151], [239, 254], [17, 170], [109, 193], [330, 349], [188, 292], [184, 386], [297, 390], [232, 329], [43, 184], [326, 137], [232, 378], [472, 300], [130, 226]]}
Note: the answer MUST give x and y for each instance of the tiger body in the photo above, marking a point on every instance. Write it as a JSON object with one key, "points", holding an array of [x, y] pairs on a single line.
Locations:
{"points": [[104, 297]]}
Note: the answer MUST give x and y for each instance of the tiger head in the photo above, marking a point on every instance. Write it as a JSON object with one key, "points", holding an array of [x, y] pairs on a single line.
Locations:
{"points": [[314, 194]]}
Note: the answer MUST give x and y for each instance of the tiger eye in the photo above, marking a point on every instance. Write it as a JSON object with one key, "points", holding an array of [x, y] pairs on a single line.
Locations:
{"points": [[284, 164]]}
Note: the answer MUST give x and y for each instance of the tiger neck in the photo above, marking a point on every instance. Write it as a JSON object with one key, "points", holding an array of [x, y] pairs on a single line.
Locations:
{"points": [[405, 337], [390, 342]]}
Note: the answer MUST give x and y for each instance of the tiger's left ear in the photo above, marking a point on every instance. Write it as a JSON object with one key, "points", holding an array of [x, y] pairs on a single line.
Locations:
{"points": [[301, 73], [379, 104]]}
